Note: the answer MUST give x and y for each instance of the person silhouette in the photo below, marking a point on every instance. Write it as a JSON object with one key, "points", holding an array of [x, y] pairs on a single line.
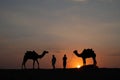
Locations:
{"points": [[64, 61], [53, 61]]}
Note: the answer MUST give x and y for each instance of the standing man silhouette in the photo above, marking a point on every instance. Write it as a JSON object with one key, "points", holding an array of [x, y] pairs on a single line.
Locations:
{"points": [[53, 61], [64, 61]]}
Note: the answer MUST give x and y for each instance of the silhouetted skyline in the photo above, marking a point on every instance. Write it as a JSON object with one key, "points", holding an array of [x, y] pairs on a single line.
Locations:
{"points": [[59, 26]]}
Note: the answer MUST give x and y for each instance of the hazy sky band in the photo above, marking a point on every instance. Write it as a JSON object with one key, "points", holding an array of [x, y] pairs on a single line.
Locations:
{"points": [[57, 24]]}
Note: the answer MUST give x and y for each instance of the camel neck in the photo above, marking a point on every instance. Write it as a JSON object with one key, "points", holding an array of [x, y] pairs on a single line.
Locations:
{"points": [[79, 55], [40, 56]]}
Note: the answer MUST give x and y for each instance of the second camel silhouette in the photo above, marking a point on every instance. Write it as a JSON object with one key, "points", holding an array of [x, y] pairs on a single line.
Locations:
{"points": [[86, 53]]}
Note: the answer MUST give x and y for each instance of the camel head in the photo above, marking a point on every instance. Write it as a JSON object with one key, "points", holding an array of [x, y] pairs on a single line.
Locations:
{"points": [[75, 51], [46, 52]]}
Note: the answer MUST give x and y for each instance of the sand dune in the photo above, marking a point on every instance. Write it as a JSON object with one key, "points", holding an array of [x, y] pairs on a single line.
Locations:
{"points": [[83, 73]]}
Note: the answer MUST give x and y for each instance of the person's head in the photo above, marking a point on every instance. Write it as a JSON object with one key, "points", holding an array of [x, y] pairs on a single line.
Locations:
{"points": [[64, 55], [53, 55]]}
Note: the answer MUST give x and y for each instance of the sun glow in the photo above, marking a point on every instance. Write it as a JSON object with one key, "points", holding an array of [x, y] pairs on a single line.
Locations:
{"points": [[78, 66]]}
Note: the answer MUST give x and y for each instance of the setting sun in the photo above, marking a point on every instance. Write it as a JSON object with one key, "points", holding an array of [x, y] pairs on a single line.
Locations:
{"points": [[78, 66]]}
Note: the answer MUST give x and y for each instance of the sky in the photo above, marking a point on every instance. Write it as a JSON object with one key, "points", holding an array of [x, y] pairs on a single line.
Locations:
{"points": [[59, 26]]}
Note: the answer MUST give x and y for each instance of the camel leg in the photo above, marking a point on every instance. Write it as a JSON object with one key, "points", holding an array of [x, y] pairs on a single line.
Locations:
{"points": [[23, 66], [37, 63], [33, 63], [23, 63], [94, 60], [84, 61]]}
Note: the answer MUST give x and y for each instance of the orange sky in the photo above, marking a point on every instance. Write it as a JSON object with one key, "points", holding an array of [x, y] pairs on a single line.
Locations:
{"points": [[59, 26]]}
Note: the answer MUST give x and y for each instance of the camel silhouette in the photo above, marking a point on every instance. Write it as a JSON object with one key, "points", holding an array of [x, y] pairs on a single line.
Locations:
{"points": [[86, 53], [32, 55]]}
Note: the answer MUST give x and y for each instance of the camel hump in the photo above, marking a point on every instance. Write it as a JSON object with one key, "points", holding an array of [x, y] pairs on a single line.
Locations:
{"points": [[31, 53], [88, 51]]}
